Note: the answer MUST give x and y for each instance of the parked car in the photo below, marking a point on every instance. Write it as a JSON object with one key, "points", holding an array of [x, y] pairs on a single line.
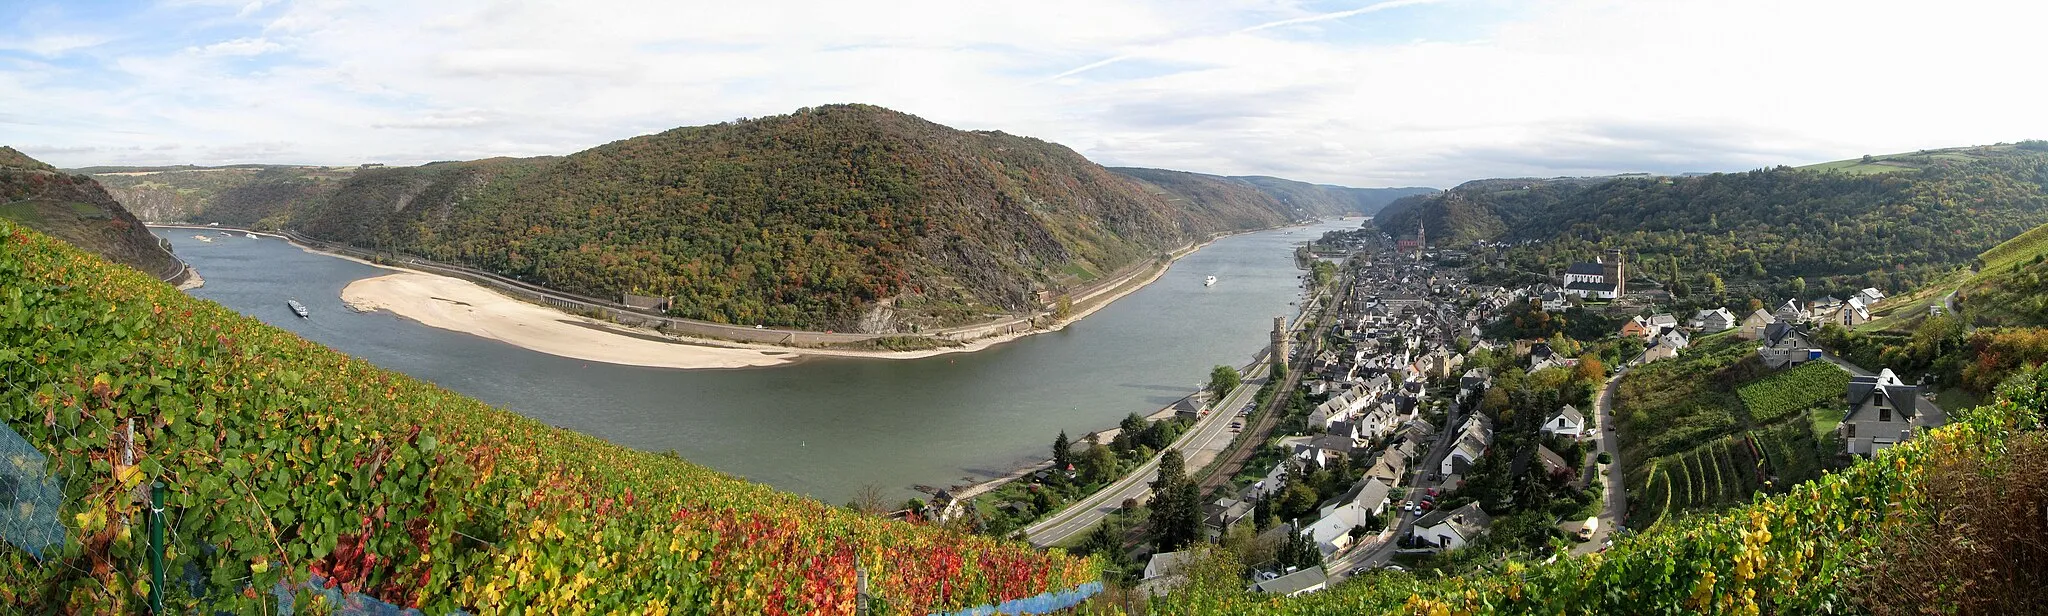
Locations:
{"points": [[1359, 570]]}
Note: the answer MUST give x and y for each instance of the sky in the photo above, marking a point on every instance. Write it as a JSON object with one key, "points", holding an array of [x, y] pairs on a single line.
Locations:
{"points": [[1352, 92]]}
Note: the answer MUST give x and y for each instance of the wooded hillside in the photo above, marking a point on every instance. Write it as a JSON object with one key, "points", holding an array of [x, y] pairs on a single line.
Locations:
{"points": [[846, 217], [1894, 230]]}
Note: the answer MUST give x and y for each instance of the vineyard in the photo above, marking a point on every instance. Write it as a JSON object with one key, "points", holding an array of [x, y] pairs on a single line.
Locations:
{"points": [[1801, 552], [1723, 472], [1785, 393], [284, 460]]}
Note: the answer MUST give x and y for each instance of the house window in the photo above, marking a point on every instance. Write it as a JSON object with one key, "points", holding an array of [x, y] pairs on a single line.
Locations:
{"points": [[1884, 414], [1851, 430]]}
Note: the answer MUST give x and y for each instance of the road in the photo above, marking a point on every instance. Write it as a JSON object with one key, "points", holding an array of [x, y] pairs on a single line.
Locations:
{"points": [[1616, 495], [1209, 435], [1198, 446], [1237, 457]]}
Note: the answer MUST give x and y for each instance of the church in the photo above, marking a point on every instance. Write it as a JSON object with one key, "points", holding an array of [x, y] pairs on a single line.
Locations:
{"points": [[1603, 279]]}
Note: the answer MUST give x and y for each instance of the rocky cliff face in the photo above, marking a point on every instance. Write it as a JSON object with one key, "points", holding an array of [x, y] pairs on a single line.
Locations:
{"points": [[76, 209], [239, 196]]}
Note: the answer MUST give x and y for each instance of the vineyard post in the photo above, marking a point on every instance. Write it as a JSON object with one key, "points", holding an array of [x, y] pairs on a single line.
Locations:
{"points": [[156, 548], [860, 587]]}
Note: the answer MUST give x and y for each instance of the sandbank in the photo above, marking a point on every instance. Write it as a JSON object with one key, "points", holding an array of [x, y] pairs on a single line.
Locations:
{"points": [[459, 305]]}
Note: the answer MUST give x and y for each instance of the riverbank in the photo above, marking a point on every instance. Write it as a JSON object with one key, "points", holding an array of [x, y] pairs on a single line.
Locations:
{"points": [[455, 304]]}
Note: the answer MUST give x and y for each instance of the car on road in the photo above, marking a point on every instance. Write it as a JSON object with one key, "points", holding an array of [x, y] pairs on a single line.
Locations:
{"points": [[1359, 570]]}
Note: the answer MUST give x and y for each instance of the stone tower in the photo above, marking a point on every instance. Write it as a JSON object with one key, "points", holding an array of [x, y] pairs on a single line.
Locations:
{"points": [[1280, 339], [1611, 269], [1421, 239]]}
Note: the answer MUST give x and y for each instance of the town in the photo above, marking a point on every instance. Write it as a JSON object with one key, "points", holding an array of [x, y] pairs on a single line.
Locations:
{"points": [[1414, 418]]}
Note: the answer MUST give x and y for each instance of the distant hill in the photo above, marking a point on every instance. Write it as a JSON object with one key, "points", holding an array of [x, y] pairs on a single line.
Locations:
{"points": [[235, 195], [74, 208], [1268, 193], [1834, 228], [843, 217]]}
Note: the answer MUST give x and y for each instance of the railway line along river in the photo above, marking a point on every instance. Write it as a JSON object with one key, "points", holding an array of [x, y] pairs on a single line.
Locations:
{"points": [[824, 426]]}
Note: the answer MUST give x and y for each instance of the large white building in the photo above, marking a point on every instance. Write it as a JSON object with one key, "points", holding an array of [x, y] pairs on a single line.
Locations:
{"points": [[1604, 279]]}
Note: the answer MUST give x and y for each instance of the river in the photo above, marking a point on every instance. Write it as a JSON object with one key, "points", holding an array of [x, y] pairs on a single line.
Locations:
{"points": [[824, 426]]}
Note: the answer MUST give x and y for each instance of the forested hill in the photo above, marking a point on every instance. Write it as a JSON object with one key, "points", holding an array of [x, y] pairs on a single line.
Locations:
{"points": [[76, 209], [1896, 228], [1269, 193], [845, 217]]}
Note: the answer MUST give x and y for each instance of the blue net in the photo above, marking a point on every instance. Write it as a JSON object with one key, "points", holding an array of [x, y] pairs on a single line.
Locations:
{"points": [[29, 497]]}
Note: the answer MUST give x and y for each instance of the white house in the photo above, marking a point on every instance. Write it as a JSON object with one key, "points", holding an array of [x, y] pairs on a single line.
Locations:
{"points": [[1333, 532], [1791, 312], [1665, 346], [1472, 440], [1554, 302], [1452, 529], [1716, 320], [1167, 563], [1871, 296], [1298, 583], [1373, 495], [1568, 422]]}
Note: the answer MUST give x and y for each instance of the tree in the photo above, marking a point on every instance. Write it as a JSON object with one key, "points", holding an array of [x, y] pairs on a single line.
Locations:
{"points": [[869, 500], [1132, 424], [1097, 465], [1062, 453], [1590, 370], [1298, 549], [1176, 514], [1224, 379], [1297, 500]]}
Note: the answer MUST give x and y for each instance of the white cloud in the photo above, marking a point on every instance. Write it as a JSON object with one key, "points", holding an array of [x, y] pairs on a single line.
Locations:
{"points": [[238, 47], [52, 45], [1387, 92]]}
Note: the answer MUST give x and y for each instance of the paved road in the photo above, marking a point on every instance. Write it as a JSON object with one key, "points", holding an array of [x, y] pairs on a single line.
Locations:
{"points": [[1616, 495], [1236, 458], [1209, 435], [1204, 442]]}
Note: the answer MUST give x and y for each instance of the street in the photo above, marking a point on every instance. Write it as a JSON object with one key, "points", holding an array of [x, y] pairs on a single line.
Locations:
{"points": [[1202, 443], [1616, 495], [1209, 435]]}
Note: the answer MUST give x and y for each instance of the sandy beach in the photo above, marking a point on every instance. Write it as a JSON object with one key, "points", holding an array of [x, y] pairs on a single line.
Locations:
{"points": [[460, 305]]}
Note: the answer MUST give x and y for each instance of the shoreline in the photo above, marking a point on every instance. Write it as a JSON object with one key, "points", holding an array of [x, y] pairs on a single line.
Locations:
{"points": [[454, 304]]}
